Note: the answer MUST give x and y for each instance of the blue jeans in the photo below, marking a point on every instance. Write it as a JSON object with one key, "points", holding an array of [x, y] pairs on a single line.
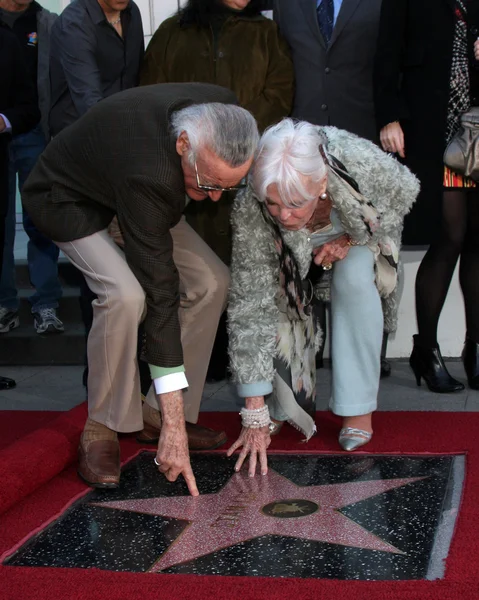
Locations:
{"points": [[42, 253]]}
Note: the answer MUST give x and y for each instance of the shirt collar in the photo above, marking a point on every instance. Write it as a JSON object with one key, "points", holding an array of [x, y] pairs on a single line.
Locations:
{"points": [[95, 11]]}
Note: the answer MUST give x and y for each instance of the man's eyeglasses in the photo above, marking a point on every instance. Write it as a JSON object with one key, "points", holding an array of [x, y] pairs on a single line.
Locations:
{"points": [[216, 188]]}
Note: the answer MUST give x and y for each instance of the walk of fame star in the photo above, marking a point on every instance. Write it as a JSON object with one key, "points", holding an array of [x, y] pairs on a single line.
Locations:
{"points": [[247, 508]]}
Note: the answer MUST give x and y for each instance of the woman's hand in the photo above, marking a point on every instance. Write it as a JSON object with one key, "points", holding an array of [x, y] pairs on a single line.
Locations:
{"points": [[255, 442], [392, 138], [330, 252], [476, 49]]}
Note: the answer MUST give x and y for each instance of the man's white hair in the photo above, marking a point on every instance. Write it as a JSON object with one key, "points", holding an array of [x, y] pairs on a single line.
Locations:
{"points": [[288, 155], [229, 131]]}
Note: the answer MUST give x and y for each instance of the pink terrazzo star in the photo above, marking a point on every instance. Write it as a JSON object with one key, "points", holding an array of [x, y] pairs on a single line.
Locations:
{"points": [[237, 513]]}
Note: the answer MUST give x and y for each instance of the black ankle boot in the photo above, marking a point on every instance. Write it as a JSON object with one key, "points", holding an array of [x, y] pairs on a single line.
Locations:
{"points": [[470, 358], [429, 364]]}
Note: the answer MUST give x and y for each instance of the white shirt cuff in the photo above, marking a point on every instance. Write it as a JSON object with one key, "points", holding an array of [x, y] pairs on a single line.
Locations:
{"points": [[170, 383], [8, 125]]}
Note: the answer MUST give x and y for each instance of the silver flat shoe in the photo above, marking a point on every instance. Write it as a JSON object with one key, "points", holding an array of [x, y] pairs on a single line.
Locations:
{"points": [[351, 439]]}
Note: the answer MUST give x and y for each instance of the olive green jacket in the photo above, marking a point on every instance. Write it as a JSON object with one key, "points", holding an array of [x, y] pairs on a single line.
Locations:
{"points": [[249, 57]]}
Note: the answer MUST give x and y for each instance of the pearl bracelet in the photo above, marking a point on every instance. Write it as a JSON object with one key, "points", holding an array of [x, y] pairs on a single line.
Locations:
{"points": [[255, 418]]}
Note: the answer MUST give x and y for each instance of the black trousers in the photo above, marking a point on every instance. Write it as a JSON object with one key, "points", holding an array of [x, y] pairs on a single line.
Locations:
{"points": [[2, 240]]}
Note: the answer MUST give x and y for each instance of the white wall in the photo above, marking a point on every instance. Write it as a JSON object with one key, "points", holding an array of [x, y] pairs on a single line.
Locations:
{"points": [[451, 325]]}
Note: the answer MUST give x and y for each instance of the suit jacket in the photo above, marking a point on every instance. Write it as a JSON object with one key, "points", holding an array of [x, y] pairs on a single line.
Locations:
{"points": [[17, 102], [412, 69], [120, 158], [334, 85]]}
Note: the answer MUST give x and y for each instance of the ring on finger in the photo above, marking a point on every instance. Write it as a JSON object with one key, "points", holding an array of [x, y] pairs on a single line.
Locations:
{"points": [[327, 266], [156, 462]]}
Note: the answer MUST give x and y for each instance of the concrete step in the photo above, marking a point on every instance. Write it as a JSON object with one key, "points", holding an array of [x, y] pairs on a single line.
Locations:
{"points": [[23, 346], [68, 274], [69, 310]]}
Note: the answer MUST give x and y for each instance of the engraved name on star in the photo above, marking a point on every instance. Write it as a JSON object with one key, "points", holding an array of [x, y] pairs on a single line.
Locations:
{"points": [[247, 508]]}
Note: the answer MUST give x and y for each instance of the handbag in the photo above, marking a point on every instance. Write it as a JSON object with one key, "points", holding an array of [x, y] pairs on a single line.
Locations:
{"points": [[462, 152]]}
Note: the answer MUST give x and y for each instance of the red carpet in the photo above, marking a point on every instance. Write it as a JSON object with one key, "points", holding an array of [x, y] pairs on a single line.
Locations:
{"points": [[32, 464], [35, 458], [21, 423]]}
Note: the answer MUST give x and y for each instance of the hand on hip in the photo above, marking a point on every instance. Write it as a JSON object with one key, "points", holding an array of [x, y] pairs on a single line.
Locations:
{"points": [[332, 251]]}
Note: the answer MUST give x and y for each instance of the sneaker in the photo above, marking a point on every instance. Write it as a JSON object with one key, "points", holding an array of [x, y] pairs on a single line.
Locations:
{"points": [[8, 319], [46, 321]]}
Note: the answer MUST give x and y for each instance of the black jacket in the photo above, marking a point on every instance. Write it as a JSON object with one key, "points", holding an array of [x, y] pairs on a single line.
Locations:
{"points": [[120, 158], [17, 102], [411, 84], [89, 61]]}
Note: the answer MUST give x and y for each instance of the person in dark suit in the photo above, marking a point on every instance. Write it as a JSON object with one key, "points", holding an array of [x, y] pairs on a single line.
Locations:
{"points": [[333, 44], [18, 114], [426, 76], [140, 155]]}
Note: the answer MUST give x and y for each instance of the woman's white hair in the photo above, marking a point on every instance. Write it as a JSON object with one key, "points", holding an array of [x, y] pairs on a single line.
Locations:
{"points": [[288, 155], [227, 130]]}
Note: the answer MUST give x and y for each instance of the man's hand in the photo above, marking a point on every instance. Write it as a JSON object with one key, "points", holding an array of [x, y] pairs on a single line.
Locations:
{"points": [[476, 49], [114, 232], [332, 251], [255, 442], [173, 455], [392, 139], [3, 125]]}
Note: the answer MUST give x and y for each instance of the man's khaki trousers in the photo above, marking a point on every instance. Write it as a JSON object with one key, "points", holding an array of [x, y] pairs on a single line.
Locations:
{"points": [[114, 397]]}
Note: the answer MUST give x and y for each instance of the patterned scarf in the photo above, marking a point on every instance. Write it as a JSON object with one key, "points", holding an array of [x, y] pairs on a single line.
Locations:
{"points": [[292, 286], [459, 101]]}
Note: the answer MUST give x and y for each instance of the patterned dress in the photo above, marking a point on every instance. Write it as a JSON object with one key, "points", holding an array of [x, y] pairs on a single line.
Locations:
{"points": [[460, 91]]}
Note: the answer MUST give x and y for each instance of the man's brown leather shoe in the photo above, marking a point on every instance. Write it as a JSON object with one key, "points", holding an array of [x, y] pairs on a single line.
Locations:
{"points": [[199, 438], [99, 463]]}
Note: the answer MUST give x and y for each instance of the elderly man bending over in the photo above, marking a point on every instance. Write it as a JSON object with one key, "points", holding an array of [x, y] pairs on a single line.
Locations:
{"points": [[142, 155]]}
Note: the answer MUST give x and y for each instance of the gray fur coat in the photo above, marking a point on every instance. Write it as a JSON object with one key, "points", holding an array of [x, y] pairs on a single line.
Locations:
{"points": [[252, 311]]}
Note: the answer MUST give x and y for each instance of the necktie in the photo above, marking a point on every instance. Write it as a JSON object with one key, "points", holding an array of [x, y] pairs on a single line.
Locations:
{"points": [[326, 19]]}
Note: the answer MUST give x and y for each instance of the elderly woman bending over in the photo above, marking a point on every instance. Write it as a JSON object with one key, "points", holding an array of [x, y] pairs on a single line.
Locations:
{"points": [[319, 199]]}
